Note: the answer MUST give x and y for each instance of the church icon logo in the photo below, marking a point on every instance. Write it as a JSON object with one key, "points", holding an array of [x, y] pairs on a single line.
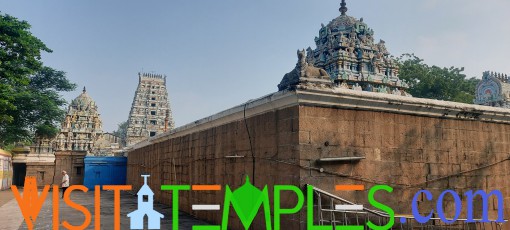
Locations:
{"points": [[145, 208]]}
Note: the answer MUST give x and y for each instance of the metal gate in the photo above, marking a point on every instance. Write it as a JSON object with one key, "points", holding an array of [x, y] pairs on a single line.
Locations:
{"points": [[105, 171], [328, 215]]}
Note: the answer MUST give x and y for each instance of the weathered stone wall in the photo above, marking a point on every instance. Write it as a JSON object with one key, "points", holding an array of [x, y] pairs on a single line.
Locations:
{"points": [[407, 152], [42, 171], [202, 158], [408, 144], [73, 163]]}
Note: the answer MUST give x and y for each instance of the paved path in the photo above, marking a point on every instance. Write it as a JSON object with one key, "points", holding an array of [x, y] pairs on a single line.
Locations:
{"points": [[5, 196], [11, 217]]}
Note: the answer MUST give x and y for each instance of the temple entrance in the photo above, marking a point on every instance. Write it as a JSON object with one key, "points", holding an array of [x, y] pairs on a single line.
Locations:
{"points": [[19, 173]]}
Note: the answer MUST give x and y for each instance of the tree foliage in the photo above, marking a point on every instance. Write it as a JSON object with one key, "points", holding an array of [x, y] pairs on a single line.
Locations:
{"points": [[121, 132], [30, 102], [448, 84]]}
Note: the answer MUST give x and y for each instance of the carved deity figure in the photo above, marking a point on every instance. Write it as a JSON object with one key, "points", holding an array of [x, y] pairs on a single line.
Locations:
{"points": [[344, 85], [303, 70], [357, 87]]}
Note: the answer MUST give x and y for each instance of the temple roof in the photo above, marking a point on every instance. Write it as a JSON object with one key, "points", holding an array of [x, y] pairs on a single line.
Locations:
{"points": [[83, 101], [5, 153], [344, 22], [347, 51], [493, 90]]}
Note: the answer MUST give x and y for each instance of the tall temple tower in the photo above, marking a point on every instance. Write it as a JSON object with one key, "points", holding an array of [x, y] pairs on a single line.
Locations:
{"points": [[150, 112]]}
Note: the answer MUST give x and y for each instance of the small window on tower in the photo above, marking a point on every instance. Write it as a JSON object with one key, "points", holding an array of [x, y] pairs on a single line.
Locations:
{"points": [[153, 104], [41, 176], [145, 198], [153, 134], [153, 112], [153, 98], [154, 122]]}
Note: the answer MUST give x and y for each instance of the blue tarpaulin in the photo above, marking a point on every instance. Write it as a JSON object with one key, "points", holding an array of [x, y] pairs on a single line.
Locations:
{"points": [[105, 171]]}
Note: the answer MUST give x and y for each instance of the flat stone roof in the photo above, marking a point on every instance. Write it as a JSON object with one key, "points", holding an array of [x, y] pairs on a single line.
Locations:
{"points": [[5, 153], [340, 98]]}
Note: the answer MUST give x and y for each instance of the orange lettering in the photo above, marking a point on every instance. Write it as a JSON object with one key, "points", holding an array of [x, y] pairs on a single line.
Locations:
{"points": [[97, 207], [78, 207], [56, 196], [116, 203], [31, 203]]}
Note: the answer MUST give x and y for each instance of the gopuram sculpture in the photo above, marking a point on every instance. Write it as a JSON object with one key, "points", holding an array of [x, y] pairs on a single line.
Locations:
{"points": [[346, 50], [150, 111], [493, 90], [304, 74], [82, 130]]}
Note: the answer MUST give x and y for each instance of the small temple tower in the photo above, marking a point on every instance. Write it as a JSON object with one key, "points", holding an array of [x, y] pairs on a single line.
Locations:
{"points": [[145, 207], [81, 134], [150, 112], [493, 90], [347, 51], [81, 127]]}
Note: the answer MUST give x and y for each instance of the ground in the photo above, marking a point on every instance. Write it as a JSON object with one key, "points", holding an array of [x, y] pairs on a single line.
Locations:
{"points": [[13, 219]]}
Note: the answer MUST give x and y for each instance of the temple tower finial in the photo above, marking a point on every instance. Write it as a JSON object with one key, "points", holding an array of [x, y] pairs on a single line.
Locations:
{"points": [[84, 89], [343, 7]]}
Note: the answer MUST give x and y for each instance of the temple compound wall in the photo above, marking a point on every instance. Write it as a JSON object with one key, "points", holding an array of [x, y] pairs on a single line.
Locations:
{"points": [[300, 137], [36, 161], [5, 170]]}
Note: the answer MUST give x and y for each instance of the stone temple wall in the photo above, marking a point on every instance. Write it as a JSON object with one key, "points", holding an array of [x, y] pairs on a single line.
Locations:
{"points": [[407, 143], [407, 152]]}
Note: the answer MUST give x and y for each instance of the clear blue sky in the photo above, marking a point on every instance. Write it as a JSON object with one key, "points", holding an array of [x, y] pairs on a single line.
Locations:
{"points": [[218, 54]]}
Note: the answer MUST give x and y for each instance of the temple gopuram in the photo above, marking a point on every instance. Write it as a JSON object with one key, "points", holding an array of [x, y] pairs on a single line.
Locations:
{"points": [[150, 111], [81, 135], [82, 126], [493, 90], [346, 50]]}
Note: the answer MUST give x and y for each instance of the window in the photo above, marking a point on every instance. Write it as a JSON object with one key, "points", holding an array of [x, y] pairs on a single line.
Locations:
{"points": [[153, 112], [153, 98], [153, 134], [154, 122], [153, 104], [78, 171], [41, 176], [145, 198]]}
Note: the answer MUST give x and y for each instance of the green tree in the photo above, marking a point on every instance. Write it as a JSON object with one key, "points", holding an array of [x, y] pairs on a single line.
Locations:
{"points": [[30, 103], [448, 84], [121, 132]]}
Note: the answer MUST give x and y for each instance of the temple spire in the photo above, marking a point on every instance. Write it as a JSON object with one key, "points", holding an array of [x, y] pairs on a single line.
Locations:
{"points": [[84, 90], [343, 7]]}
